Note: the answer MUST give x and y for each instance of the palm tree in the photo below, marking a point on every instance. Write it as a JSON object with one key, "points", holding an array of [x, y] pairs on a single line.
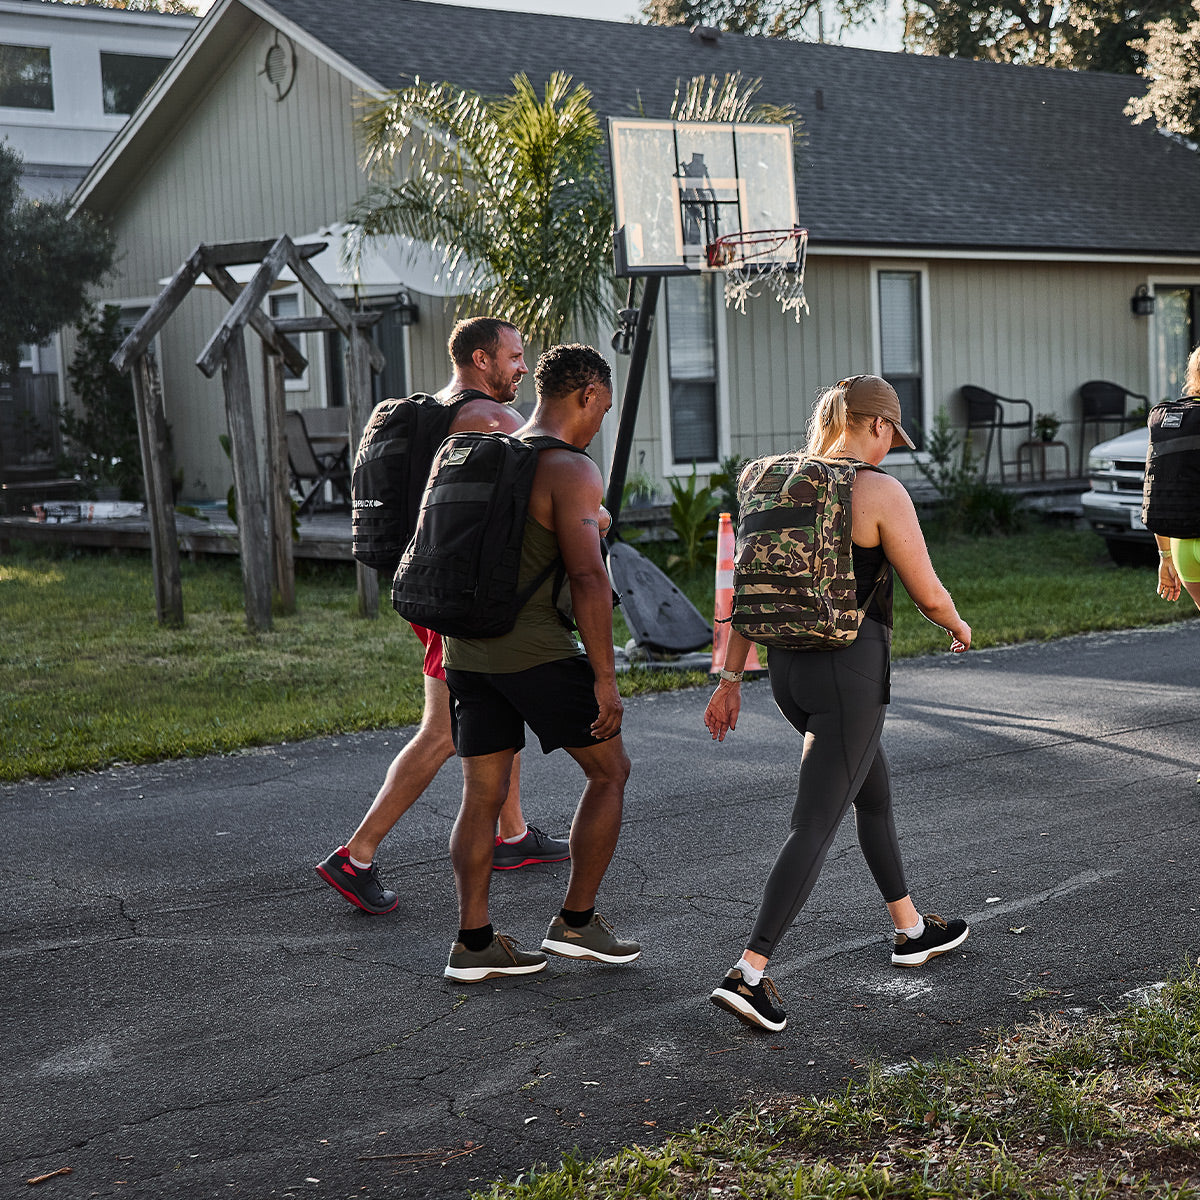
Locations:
{"points": [[514, 185]]}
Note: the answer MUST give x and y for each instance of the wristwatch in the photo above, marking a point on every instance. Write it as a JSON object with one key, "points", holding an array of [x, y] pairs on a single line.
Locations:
{"points": [[731, 676]]}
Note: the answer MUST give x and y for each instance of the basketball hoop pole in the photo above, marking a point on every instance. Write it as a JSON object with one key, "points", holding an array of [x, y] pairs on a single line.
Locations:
{"points": [[630, 401]]}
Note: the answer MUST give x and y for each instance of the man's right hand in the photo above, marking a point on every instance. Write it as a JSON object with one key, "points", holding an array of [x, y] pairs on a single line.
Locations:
{"points": [[608, 721]]}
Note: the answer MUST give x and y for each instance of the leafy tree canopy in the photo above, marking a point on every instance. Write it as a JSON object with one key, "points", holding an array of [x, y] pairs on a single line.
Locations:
{"points": [[1172, 74], [764, 18], [180, 7], [48, 260], [1091, 35]]}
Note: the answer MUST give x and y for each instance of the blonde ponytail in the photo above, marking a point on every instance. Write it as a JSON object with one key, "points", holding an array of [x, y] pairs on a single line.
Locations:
{"points": [[828, 423]]}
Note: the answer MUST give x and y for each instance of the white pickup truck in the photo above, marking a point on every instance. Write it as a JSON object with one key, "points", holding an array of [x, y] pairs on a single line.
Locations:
{"points": [[1116, 470]]}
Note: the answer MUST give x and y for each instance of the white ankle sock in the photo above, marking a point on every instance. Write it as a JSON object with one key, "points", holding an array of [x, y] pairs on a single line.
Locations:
{"points": [[362, 866], [916, 930], [519, 838], [752, 975]]}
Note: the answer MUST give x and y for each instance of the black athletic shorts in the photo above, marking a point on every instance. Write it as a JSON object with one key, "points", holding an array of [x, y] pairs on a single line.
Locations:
{"points": [[557, 700]]}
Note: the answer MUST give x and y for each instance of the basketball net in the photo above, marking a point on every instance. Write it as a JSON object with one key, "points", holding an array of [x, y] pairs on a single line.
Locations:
{"points": [[751, 265]]}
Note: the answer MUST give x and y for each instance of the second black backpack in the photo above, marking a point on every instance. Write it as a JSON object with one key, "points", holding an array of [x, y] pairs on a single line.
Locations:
{"points": [[459, 575], [390, 472], [1171, 497]]}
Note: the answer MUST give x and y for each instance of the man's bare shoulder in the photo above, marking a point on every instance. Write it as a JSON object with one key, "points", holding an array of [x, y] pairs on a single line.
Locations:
{"points": [[567, 465], [484, 415]]}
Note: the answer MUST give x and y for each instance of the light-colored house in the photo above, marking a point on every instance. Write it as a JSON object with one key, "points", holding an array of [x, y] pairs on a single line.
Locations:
{"points": [[969, 222], [70, 76]]}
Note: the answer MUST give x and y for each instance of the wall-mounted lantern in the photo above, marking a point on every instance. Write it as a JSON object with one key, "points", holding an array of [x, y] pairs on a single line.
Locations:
{"points": [[405, 308], [1141, 303]]}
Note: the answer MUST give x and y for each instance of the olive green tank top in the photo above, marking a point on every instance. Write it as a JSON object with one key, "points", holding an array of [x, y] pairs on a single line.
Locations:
{"points": [[539, 636]]}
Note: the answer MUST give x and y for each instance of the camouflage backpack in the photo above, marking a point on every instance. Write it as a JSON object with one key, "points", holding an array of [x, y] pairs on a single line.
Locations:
{"points": [[793, 570]]}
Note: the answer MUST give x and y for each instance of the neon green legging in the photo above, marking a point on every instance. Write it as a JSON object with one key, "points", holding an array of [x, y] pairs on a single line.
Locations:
{"points": [[1185, 553]]}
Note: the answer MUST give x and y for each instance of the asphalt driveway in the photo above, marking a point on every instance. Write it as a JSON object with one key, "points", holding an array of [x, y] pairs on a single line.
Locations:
{"points": [[188, 1011]]}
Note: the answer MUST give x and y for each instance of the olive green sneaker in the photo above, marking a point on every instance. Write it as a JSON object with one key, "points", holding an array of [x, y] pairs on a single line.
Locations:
{"points": [[595, 942], [497, 959]]}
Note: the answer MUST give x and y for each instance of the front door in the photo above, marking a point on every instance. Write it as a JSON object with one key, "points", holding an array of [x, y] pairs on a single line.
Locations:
{"points": [[1176, 331]]}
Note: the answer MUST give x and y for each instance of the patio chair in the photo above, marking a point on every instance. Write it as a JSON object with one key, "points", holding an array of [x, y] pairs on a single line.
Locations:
{"points": [[1104, 403], [986, 410], [312, 471]]}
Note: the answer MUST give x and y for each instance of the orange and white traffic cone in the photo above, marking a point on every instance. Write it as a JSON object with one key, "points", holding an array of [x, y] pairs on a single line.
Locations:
{"points": [[723, 599]]}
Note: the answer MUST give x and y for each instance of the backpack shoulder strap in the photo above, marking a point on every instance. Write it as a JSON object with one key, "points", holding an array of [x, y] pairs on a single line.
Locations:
{"points": [[543, 441]]}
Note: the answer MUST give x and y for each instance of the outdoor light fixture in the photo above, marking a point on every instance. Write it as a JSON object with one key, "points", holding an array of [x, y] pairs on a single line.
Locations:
{"points": [[622, 338], [405, 308], [1141, 303]]}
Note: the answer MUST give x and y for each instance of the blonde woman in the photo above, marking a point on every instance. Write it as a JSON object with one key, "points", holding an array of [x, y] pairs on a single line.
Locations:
{"points": [[1179, 558], [837, 700]]}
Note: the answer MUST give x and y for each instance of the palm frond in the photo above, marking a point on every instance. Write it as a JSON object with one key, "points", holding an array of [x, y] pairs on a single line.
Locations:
{"points": [[514, 184]]}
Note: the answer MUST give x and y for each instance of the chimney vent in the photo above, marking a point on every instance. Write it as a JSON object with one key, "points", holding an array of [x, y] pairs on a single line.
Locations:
{"points": [[709, 34]]}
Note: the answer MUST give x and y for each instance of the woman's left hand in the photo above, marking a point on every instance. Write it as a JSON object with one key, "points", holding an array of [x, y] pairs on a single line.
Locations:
{"points": [[721, 715], [1169, 586]]}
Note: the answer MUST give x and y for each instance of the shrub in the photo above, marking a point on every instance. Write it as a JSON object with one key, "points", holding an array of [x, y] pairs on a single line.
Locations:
{"points": [[968, 503], [102, 437]]}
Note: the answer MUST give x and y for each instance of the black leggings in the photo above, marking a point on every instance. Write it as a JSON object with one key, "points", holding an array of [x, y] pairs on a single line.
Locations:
{"points": [[837, 699]]}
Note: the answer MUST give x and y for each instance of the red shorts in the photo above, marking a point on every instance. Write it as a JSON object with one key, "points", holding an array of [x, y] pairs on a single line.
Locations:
{"points": [[433, 652]]}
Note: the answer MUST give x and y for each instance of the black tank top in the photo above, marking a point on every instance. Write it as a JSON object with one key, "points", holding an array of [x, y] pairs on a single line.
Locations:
{"points": [[867, 561]]}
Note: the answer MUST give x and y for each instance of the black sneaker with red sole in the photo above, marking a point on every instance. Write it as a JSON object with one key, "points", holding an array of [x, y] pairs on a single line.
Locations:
{"points": [[534, 847], [361, 888]]}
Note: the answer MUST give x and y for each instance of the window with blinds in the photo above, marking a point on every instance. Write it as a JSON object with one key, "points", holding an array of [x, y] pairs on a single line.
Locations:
{"points": [[900, 342], [692, 366]]}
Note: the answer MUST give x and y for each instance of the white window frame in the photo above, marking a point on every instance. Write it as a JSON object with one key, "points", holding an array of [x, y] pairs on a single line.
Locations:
{"points": [[670, 468], [921, 269], [303, 382]]}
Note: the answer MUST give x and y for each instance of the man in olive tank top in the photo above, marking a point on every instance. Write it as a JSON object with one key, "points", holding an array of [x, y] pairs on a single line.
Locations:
{"points": [[541, 674]]}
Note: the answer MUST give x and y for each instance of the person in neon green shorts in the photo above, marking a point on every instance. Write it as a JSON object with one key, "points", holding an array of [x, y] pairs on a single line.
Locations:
{"points": [[1179, 558]]}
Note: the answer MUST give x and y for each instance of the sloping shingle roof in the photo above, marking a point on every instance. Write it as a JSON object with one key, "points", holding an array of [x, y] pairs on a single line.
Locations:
{"points": [[901, 150]]}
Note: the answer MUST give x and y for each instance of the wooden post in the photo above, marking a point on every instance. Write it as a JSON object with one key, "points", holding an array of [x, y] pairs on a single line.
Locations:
{"points": [[160, 502], [279, 499], [358, 389], [247, 486]]}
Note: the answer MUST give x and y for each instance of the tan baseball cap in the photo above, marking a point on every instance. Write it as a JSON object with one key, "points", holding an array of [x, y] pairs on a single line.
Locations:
{"points": [[871, 396]]}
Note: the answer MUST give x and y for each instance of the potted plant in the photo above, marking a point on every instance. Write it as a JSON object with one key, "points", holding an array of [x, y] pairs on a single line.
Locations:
{"points": [[1046, 425]]}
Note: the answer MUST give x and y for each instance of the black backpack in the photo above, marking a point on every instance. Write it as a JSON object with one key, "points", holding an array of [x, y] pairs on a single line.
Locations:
{"points": [[1171, 495], [459, 574], [391, 469]]}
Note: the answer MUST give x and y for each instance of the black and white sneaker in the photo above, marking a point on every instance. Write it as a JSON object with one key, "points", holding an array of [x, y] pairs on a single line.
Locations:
{"points": [[940, 935], [756, 1004]]}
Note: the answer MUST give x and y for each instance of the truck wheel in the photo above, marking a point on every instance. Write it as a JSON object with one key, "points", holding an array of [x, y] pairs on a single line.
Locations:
{"points": [[1131, 554]]}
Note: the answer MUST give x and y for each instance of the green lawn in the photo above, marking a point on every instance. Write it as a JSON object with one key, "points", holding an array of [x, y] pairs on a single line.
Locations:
{"points": [[88, 678]]}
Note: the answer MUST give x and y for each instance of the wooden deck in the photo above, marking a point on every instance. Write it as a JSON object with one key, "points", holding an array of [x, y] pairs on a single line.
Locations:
{"points": [[326, 535]]}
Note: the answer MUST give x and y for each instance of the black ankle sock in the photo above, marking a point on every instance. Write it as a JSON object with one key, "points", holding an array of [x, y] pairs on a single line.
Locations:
{"points": [[577, 920], [477, 939]]}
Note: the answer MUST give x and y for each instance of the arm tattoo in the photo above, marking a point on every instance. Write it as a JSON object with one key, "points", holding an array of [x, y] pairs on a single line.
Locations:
{"points": [[591, 521]]}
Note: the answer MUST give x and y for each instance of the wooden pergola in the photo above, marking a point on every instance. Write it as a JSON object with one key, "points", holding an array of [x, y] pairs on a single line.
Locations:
{"points": [[264, 514]]}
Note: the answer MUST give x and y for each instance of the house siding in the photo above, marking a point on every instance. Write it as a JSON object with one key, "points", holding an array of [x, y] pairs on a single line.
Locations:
{"points": [[239, 165]]}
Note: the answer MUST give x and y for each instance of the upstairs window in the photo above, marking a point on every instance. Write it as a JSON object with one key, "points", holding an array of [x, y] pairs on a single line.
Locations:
{"points": [[25, 80], [126, 78]]}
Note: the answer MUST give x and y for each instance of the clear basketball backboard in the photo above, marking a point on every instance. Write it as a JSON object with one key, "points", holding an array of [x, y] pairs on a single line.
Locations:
{"points": [[680, 185]]}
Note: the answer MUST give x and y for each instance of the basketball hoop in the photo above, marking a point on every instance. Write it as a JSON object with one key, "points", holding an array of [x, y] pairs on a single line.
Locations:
{"points": [[758, 258]]}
